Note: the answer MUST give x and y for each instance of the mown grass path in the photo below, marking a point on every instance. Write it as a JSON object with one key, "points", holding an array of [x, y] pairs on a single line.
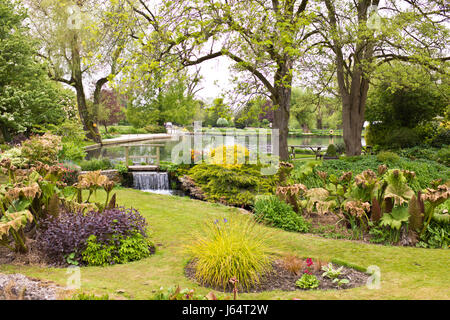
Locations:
{"points": [[406, 273]]}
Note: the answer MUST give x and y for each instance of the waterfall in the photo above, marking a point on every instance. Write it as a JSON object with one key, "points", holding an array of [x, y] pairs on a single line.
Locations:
{"points": [[151, 181]]}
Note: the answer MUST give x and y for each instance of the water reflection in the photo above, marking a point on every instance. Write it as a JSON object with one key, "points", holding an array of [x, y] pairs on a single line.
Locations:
{"points": [[116, 153]]}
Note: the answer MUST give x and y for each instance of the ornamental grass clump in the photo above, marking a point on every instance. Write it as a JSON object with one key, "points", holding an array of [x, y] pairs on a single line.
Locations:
{"points": [[231, 248]]}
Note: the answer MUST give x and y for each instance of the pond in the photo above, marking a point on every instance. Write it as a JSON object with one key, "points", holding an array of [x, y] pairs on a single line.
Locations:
{"points": [[116, 152]]}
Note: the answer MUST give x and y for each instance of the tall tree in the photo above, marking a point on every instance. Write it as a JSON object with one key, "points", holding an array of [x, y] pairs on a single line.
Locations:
{"points": [[81, 44], [111, 108], [358, 40], [265, 39], [27, 96]]}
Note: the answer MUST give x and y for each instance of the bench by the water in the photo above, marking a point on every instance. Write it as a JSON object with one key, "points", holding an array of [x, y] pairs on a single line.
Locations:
{"points": [[315, 149]]}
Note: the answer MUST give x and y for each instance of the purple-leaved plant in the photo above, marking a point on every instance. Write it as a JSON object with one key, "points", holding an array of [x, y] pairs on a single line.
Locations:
{"points": [[69, 232]]}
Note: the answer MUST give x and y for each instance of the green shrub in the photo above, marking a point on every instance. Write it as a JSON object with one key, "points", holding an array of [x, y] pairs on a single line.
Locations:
{"points": [[340, 148], [72, 151], [232, 185], [119, 250], [4, 147], [96, 164], [154, 128], [231, 248], [418, 152], [379, 234], [222, 122], [403, 137], [307, 281], [44, 149], [437, 235], [443, 156], [331, 150], [121, 168], [265, 123], [387, 157], [16, 157], [442, 138], [273, 211], [70, 173], [426, 170], [392, 137]]}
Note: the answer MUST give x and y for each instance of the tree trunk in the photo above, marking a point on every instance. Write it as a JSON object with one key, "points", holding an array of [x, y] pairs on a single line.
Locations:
{"points": [[352, 121], [89, 125], [353, 109], [281, 98], [319, 122], [353, 84], [281, 119], [2, 138]]}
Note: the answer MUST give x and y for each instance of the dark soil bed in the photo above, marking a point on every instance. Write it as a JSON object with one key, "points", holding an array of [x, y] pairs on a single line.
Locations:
{"points": [[282, 279], [32, 257]]}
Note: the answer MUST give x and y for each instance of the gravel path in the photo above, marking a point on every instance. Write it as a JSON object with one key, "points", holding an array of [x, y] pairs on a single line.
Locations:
{"points": [[19, 287]]}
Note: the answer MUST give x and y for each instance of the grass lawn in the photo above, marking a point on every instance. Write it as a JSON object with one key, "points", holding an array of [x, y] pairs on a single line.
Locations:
{"points": [[406, 273]]}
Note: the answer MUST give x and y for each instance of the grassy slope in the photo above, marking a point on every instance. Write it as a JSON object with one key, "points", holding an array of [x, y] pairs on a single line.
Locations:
{"points": [[406, 273]]}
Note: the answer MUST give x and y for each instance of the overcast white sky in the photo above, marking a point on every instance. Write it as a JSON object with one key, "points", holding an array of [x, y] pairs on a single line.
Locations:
{"points": [[216, 76]]}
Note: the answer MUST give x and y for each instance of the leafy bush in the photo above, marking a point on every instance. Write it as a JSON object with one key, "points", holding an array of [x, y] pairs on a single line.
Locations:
{"points": [[340, 148], [69, 234], [388, 137], [426, 171], [121, 168], [307, 281], [69, 131], [233, 185], [154, 128], [442, 138], [443, 156], [222, 122], [273, 211], [330, 272], [331, 150], [437, 235], [225, 155], [117, 251], [72, 151], [15, 155], [30, 194], [44, 149], [70, 173], [378, 234], [96, 164], [265, 123], [4, 147], [387, 157], [231, 248]]}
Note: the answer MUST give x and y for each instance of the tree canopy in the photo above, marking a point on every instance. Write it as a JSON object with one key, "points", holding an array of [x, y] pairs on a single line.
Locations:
{"points": [[27, 96]]}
